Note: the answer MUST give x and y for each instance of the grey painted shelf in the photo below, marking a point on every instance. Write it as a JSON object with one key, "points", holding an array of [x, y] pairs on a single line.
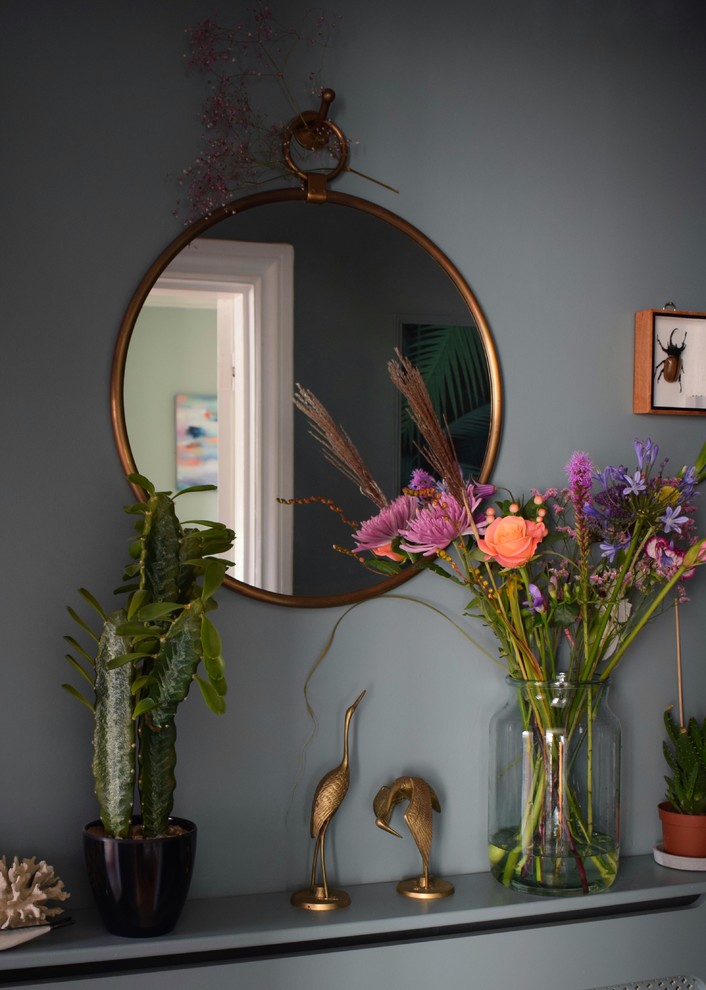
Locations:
{"points": [[266, 925]]}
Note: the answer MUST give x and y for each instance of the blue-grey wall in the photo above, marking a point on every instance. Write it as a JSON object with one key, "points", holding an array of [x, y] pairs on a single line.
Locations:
{"points": [[555, 150]]}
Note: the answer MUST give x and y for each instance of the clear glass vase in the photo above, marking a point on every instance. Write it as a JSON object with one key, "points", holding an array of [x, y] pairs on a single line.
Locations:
{"points": [[554, 801]]}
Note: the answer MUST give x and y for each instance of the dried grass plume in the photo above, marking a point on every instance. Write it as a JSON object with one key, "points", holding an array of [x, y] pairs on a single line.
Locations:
{"points": [[339, 449], [439, 450]]}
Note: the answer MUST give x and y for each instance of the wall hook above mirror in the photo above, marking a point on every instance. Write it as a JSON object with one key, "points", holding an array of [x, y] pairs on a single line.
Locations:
{"points": [[270, 290], [312, 131]]}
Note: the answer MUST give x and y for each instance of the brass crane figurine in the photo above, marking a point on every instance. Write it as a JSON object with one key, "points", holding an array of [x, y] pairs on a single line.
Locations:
{"points": [[329, 795], [418, 816]]}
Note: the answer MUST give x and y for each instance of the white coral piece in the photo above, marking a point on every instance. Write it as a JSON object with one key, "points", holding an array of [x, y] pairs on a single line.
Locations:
{"points": [[25, 889]]}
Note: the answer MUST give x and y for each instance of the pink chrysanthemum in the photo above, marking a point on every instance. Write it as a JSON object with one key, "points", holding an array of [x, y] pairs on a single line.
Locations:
{"points": [[435, 527], [377, 534]]}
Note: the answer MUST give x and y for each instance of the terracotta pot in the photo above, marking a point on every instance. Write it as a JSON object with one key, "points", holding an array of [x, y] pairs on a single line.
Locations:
{"points": [[140, 885], [682, 835]]}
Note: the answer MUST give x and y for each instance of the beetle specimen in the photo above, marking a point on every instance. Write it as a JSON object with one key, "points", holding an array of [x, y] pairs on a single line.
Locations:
{"points": [[672, 366]]}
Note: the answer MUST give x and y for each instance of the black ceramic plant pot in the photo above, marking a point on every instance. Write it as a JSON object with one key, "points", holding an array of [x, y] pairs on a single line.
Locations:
{"points": [[140, 885]]}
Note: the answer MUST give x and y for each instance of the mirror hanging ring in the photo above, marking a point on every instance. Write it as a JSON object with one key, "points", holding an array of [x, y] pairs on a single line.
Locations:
{"points": [[313, 132]]}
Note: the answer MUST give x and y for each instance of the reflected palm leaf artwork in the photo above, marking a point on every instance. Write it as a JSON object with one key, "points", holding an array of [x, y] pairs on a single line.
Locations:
{"points": [[453, 363]]}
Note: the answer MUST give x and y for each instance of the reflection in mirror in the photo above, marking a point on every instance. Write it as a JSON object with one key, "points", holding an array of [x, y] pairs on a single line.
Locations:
{"points": [[249, 302]]}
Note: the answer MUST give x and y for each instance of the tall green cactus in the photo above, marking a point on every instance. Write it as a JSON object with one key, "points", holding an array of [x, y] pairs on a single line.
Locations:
{"points": [[147, 657], [686, 758]]}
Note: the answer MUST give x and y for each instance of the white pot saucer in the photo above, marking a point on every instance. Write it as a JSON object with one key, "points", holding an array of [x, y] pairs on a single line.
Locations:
{"points": [[677, 862]]}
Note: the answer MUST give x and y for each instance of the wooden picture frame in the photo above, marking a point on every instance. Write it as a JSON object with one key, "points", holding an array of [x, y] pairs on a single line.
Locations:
{"points": [[670, 362]]}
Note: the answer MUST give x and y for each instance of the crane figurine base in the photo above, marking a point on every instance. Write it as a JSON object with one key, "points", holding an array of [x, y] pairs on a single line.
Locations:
{"points": [[423, 888], [317, 899]]}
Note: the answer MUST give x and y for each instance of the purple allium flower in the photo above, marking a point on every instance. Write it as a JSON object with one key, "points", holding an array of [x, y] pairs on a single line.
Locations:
{"points": [[673, 522], [377, 534], [634, 484], [435, 527]]}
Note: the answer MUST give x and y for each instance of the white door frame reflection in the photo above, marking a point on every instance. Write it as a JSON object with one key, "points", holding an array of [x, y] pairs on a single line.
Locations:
{"points": [[247, 291]]}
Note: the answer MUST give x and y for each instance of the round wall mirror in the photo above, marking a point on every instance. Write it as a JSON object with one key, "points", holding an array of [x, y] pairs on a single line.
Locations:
{"points": [[273, 290]]}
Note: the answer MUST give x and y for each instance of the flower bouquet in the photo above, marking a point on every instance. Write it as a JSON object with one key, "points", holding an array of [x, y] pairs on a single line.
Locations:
{"points": [[565, 579]]}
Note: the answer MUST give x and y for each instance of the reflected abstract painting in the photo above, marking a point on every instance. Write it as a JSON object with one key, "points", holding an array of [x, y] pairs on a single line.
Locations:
{"points": [[196, 440]]}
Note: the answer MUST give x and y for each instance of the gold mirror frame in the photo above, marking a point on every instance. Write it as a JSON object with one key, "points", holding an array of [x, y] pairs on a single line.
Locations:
{"points": [[300, 195]]}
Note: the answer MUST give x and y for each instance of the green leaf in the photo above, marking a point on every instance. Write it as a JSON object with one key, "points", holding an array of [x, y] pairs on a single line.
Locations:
{"points": [[195, 488], [565, 614], [121, 660], [157, 610], [208, 523], [383, 566], [146, 705], [216, 669], [77, 667], [142, 482], [140, 598], [210, 639], [93, 601], [77, 618], [138, 508], [213, 699], [77, 694], [136, 628], [213, 577], [140, 682], [77, 646]]}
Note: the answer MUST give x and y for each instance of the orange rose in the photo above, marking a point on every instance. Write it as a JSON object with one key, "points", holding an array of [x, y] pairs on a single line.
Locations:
{"points": [[512, 540]]}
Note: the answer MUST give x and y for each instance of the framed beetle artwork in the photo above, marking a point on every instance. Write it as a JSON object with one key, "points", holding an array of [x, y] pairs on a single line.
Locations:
{"points": [[670, 362]]}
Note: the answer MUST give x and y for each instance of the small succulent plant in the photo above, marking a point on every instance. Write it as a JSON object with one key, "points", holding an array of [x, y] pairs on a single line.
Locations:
{"points": [[685, 753], [144, 661]]}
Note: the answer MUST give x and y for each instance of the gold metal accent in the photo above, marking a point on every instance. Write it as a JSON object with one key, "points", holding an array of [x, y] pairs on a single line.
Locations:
{"points": [[307, 129], [313, 131], [329, 794], [418, 816]]}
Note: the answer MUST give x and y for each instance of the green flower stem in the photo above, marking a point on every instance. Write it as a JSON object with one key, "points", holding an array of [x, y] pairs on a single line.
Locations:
{"points": [[690, 561], [593, 658]]}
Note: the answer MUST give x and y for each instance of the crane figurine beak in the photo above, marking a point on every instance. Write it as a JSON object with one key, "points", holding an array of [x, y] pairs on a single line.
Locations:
{"points": [[357, 702], [387, 828]]}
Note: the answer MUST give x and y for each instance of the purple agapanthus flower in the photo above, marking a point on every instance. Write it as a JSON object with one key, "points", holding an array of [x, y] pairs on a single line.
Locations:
{"points": [[377, 534], [436, 526], [688, 482], [611, 550], [634, 484], [536, 600], [646, 452], [673, 522]]}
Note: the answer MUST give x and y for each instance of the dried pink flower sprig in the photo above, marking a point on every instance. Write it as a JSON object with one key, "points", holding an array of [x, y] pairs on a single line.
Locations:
{"points": [[567, 579], [248, 69]]}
